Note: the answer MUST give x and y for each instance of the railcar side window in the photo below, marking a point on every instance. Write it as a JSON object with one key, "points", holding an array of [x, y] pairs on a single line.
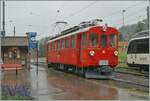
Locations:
{"points": [[113, 41], [63, 43], [93, 39], [73, 42], [67, 43], [103, 40], [49, 46], [53, 45], [58, 44], [84, 39]]}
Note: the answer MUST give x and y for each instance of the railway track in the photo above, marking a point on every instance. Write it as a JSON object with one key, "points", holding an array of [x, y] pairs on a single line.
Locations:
{"points": [[134, 72], [139, 80]]}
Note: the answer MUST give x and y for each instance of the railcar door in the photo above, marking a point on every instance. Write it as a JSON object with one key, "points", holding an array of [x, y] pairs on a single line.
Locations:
{"points": [[80, 48]]}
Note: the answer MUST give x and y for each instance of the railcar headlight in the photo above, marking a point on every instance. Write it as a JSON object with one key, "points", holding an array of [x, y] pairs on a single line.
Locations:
{"points": [[92, 53], [116, 53]]}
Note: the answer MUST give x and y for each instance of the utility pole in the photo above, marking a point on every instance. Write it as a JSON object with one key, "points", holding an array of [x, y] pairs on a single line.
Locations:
{"points": [[1, 61], [148, 16], [123, 34], [3, 18], [123, 11], [14, 31]]}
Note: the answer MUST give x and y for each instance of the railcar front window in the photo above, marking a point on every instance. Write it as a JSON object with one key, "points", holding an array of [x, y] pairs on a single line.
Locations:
{"points": [[103, 40], [93, 39], [132, 47], [143, 46], [112, 39]]}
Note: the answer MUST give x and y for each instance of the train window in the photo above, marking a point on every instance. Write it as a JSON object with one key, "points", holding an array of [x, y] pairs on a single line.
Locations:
{"points": [[139, 46], [132, 47], [67, 43], [112, 39], [93, 39], [63, 44], [103, 40], [49, 46], [53, 46], [58, 44], [73, 41], [84, 39]]}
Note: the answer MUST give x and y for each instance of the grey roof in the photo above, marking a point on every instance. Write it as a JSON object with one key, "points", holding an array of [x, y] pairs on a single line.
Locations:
{"points": [[141, 34], [14, 41]]}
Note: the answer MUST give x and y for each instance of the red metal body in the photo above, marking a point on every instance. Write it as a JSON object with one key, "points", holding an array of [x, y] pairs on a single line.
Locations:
{"points": [[79, 56]]}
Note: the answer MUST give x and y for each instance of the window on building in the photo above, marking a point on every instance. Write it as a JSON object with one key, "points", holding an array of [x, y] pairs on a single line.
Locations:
{"points": [[73, 42], [93, 39], [10, 54], [113, 40], [84, 39], [103, 40], [18, 53]]}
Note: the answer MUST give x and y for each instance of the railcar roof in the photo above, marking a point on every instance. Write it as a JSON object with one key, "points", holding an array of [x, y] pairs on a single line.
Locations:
{"points": [[141, 34], [72, 31]]}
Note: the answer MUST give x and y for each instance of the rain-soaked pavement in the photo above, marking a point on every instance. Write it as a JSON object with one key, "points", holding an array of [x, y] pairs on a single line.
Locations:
{"points": [[57, 85]]}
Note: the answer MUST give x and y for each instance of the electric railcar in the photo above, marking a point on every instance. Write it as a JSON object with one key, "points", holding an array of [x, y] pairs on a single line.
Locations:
{"points": [[83, 48], [138, 51]]}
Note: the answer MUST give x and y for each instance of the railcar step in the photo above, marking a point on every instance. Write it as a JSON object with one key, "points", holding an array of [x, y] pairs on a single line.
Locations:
{"points": [[95, 75]]}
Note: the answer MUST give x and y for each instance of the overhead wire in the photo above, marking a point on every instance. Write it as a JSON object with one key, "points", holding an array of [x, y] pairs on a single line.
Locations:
{"points": [[117, 12], [81, 9]]}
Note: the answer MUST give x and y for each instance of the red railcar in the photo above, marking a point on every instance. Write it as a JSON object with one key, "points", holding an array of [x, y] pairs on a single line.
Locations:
{"points": [[84, 48]]}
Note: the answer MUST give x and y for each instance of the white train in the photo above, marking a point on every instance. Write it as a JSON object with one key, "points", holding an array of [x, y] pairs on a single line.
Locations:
{"points": [[138, 50]]}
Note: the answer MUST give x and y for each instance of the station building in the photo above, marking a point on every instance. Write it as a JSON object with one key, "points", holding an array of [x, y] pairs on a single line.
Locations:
{"points": [[14, 49]]}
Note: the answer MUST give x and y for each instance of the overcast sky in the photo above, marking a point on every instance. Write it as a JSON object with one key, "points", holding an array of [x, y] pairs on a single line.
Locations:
{"points": [[40, 16]]}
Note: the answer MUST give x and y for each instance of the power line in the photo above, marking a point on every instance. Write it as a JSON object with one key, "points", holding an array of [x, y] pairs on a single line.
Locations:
{"points": [[117, 12], [80, 10], [131, 16], [77, 12]]}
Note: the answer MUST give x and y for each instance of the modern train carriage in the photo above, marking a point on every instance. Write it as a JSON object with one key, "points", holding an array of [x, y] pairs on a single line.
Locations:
{"points": [[84, 48], [138, 51]]}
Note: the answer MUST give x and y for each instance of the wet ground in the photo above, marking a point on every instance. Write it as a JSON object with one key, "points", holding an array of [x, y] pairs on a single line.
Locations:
{"points": [[57, 85]]}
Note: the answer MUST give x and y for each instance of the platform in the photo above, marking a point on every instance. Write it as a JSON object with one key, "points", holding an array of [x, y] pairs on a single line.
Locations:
{"points": [[10, 67]]}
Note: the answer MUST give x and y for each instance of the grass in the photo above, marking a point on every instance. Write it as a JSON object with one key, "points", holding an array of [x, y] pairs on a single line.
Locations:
{"points": [[123, 67], [16, 97], [15, 92], [122, 57]]}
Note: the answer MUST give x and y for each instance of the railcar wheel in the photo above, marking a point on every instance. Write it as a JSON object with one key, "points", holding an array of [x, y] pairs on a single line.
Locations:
{"points": [[49, 65]]}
